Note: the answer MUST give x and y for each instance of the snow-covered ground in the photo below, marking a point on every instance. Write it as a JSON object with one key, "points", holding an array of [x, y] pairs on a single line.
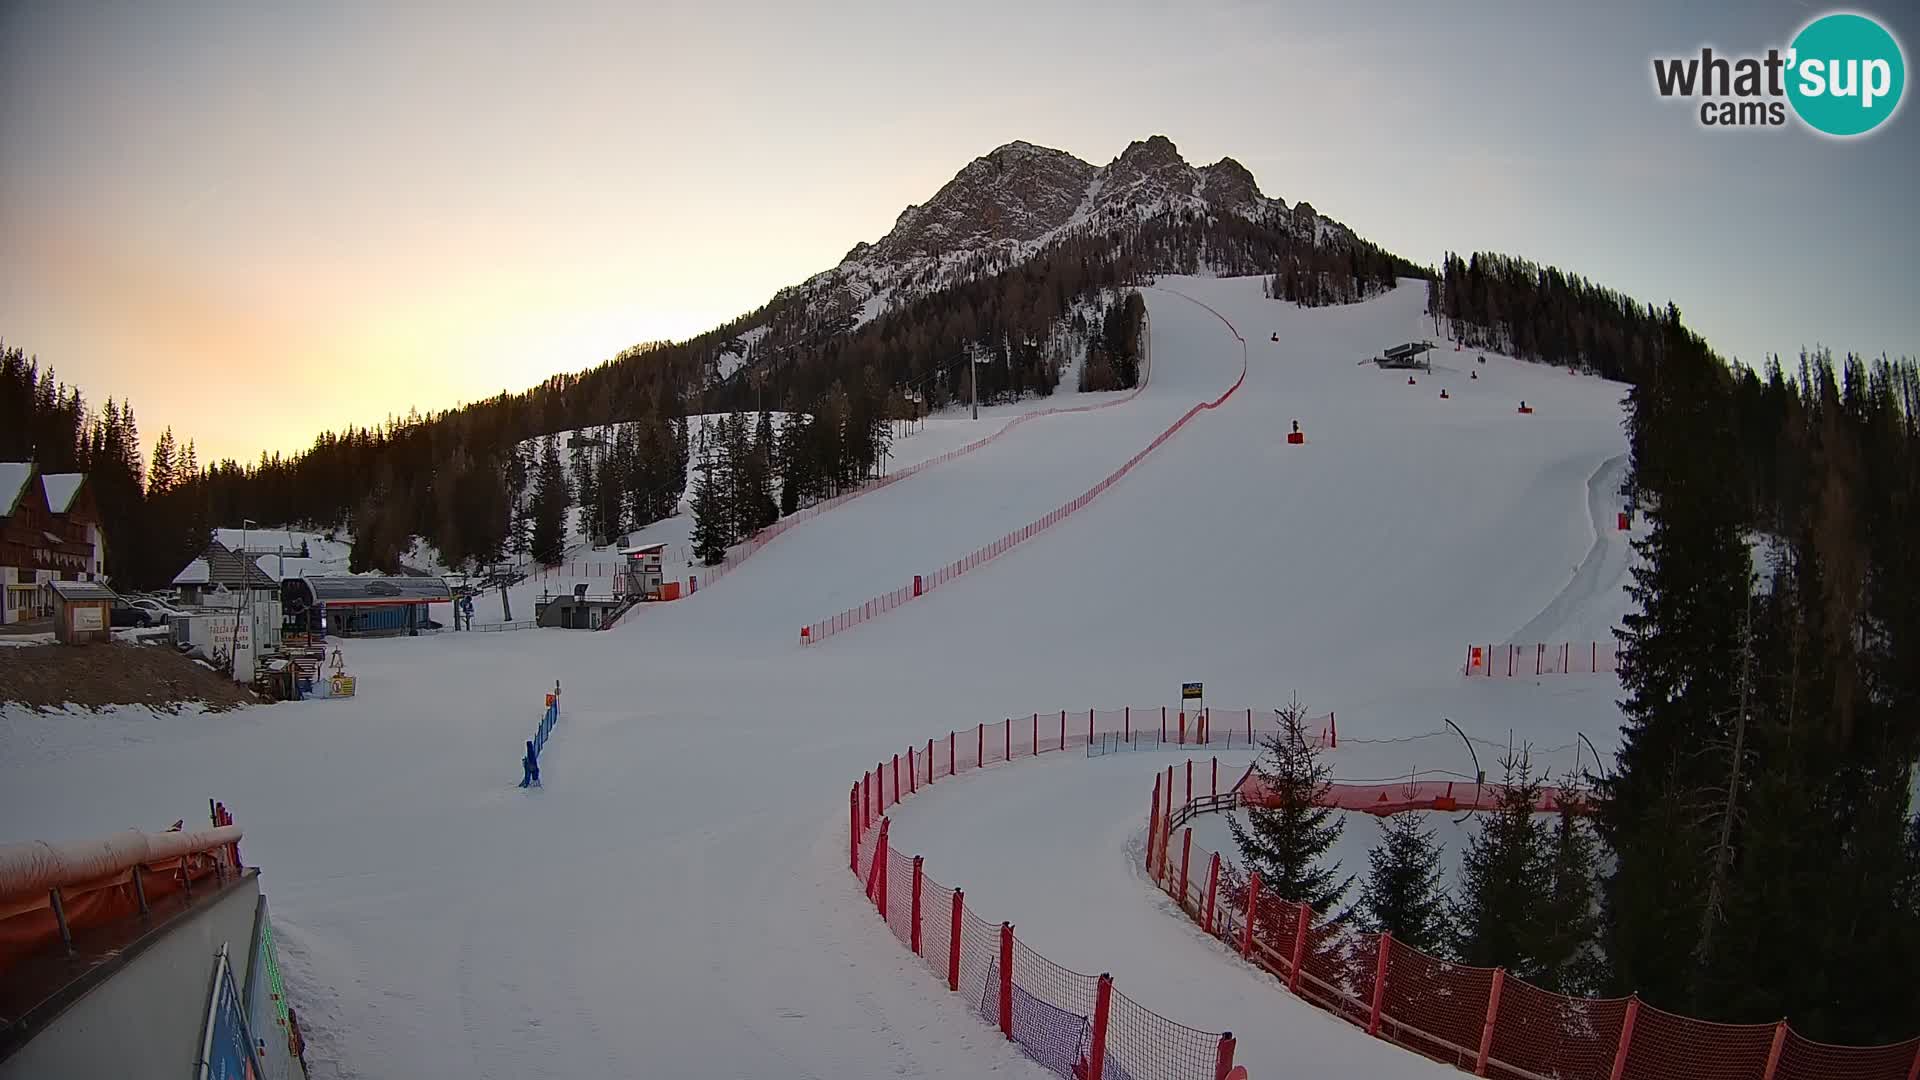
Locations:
{"points": [[675, 900]]}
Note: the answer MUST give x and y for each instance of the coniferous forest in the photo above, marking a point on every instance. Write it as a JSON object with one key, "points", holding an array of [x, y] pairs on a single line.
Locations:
{"points": [[1758, 842]]}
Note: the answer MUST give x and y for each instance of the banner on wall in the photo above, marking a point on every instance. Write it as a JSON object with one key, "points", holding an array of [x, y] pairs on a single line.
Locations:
{"points": [[226, 1048]]}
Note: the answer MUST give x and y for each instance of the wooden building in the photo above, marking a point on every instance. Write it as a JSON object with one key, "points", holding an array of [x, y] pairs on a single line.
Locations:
{"points": [[82, 612], [49, 531]]}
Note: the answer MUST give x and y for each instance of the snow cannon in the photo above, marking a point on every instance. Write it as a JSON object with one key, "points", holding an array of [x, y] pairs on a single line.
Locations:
{"points": [[1296, 437], [1626, 520], [1443, 393], [1525, 409]]}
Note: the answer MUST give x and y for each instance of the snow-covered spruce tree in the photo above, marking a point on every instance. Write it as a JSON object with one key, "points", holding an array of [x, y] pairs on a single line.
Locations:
{"points": [[1286, 842], [1403, 894], [1500, 904]]}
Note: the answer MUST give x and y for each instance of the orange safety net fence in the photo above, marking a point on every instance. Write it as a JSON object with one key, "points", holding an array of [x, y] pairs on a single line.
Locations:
{"points": [[1440, 1009]]}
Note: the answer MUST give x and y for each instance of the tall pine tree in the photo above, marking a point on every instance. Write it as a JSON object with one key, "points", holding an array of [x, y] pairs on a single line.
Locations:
{"points": [[1286, 842], [551, 500], [1498, 910], [1403, 894]]}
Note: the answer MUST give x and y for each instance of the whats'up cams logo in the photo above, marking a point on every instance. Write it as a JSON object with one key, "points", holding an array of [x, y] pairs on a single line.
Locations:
{"points": [[1842, 74]]}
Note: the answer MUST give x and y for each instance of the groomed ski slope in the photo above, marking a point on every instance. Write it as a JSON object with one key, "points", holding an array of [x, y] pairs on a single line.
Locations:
{"points": [[674, 902]]}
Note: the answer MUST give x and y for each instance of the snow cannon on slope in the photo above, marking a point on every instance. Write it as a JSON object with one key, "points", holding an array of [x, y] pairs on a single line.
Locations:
{"points": [[1296, 437], [1525, 409]]}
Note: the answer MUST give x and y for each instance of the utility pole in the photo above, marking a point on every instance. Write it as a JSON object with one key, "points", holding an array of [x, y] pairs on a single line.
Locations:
{"points": [[973, 380]]}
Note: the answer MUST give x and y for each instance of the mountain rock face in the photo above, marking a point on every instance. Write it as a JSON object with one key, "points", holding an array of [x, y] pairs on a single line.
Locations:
{"points": [[1020, 192], [1003, 208]]}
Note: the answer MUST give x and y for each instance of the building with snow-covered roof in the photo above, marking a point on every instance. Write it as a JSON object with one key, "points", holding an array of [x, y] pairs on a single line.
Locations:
{"points": [[220, 574], [323, 604], [49, 531]]}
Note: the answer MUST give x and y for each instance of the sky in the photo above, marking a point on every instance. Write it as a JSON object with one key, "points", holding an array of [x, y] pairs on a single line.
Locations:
{"points": [[261, 221]]}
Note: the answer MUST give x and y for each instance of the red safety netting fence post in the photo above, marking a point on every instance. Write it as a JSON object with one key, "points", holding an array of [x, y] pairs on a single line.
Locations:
{"points": [[1006, 979], [1153, 823], [1166, 829], [853, 811], [1486, 1029], [913, 774], [1213, 788], [1384, 944], [876, 878], [1189, 801], [1223, 1061], [1213, 888], [953, 939], [1063, 729], [1186, 854], [896, 778], [1626, 1038], [1097, 1039], [918, 876], [1302, 920], [952, 766], [1773, 1051]]}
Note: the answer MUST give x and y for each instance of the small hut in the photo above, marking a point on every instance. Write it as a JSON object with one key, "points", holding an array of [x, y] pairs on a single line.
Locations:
{"points": [[82, 612]]}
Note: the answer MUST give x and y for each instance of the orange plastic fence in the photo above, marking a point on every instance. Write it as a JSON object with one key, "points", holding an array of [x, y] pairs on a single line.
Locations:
{"points": [[1542, 658], [31, 927], [1051, 1012], [1483, 1020], [925, 583]]}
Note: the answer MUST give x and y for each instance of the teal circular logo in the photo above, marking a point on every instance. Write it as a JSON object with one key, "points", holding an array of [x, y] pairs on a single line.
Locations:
{"points": [[1845, 74]]}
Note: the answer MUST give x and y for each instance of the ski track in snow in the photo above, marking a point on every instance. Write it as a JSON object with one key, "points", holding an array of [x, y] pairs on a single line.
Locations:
{"points": [[1603, 569], [675, 900]]}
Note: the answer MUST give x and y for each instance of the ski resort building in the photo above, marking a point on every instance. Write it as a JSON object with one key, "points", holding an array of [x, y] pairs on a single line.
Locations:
{"points": [[347, 606], [49, 531], [576, 610], [221, 576]]}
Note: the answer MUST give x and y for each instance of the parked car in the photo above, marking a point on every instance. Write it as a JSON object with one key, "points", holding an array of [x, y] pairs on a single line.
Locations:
{"points": [[157, 610], [125, 614]]}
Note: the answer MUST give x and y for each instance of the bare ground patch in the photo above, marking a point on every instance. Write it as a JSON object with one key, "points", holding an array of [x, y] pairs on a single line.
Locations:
{"points": [[91, 676]]}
